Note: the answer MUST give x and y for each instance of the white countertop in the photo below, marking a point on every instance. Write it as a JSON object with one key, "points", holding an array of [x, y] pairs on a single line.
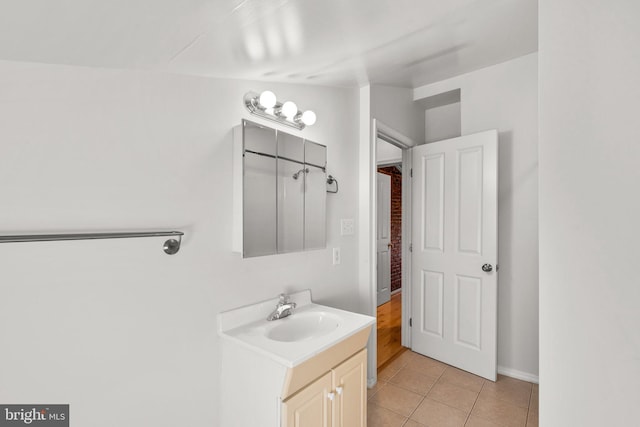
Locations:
{"points": [[247, 326]]}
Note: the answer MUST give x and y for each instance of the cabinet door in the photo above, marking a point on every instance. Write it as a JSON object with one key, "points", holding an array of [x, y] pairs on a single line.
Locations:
{"points": [[259, 207], [310, 407], [349, 381], [290, 204], [259, 190], [315, 196], [315, 208]]}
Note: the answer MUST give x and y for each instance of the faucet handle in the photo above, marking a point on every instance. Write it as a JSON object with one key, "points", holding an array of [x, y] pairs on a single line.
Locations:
{"points": [[284, 299]]}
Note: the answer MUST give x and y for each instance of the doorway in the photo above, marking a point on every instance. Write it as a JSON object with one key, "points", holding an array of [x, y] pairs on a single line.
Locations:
{"points": [[392, 157], [389, 257]]}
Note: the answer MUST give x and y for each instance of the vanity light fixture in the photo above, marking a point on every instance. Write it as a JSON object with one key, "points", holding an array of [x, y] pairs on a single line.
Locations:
{"points": [[308, 117], [266, 105], [267, 99], [289, 110]]}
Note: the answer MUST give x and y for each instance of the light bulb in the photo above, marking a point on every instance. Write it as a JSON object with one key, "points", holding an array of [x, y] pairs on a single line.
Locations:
{"points": [[308, 117], [289, 110], [267, 99]]}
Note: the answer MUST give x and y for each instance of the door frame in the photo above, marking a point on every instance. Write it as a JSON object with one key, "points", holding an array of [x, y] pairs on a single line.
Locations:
{"points": [[394, 137]]}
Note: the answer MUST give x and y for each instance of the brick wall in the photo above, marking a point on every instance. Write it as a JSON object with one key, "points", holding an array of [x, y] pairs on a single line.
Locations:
{"points": [[396, 225]]}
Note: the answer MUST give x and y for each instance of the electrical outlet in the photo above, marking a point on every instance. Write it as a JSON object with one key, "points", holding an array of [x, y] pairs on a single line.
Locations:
{"points": [[336, 256], [347, 227]]}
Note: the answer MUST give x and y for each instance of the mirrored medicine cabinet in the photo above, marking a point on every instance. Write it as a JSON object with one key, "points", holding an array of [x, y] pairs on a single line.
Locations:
{"points": [[279, 192]]}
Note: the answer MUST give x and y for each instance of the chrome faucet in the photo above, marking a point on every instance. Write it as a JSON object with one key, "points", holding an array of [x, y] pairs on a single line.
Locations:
{"points": [[283, 309]]}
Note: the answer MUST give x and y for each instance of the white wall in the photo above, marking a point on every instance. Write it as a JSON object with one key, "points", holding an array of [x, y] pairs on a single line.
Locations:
{"points": [[394, 106], [116, 328], [387, 153], [442, 122], [504, 97], [589, 213]]}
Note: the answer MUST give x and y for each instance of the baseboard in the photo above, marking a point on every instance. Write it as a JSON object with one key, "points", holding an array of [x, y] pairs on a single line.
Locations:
{"points": [[519, 375]]}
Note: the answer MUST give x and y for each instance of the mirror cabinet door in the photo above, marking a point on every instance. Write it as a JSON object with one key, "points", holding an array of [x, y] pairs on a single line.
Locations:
{"points": [[284, 192], [290, 182], [315, 199], [259, 192]]}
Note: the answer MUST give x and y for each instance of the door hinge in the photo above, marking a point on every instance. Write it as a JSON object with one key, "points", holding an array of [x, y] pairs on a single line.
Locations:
{"points": [[411, 172], [410, 247], [410, 322]]}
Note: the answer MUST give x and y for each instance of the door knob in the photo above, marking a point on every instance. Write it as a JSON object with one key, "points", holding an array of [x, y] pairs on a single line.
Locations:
{"points": [[331, 396], [487, 268]]}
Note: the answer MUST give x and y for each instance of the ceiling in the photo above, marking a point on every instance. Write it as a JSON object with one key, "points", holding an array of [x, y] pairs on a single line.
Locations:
{"points": [[405, 43]]}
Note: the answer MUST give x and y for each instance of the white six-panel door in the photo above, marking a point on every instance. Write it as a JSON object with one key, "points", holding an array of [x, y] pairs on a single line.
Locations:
{"points": [[383, 234], [454, 302]]}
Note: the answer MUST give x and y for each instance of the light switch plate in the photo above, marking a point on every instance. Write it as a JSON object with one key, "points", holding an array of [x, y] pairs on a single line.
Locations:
{"points": [[347, 227]]}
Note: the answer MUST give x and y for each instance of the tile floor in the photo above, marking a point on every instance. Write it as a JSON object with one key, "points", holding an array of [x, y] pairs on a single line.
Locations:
{"points": [[416, 391]]}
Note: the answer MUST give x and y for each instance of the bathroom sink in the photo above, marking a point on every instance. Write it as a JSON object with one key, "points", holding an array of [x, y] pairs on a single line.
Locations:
{"points": [[303, 326], [311, 329]]}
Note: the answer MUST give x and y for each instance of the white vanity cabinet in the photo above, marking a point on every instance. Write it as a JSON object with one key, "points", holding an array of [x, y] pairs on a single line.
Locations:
{"points": [[337, 399], [272, 376]]}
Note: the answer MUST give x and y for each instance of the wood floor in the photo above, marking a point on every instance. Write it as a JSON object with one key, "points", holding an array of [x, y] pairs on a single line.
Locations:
{"points": [[389, 324]]}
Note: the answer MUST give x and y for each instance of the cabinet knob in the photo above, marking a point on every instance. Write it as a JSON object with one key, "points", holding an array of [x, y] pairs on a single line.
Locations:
{"points": [[339, 390], [331, 396]]}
